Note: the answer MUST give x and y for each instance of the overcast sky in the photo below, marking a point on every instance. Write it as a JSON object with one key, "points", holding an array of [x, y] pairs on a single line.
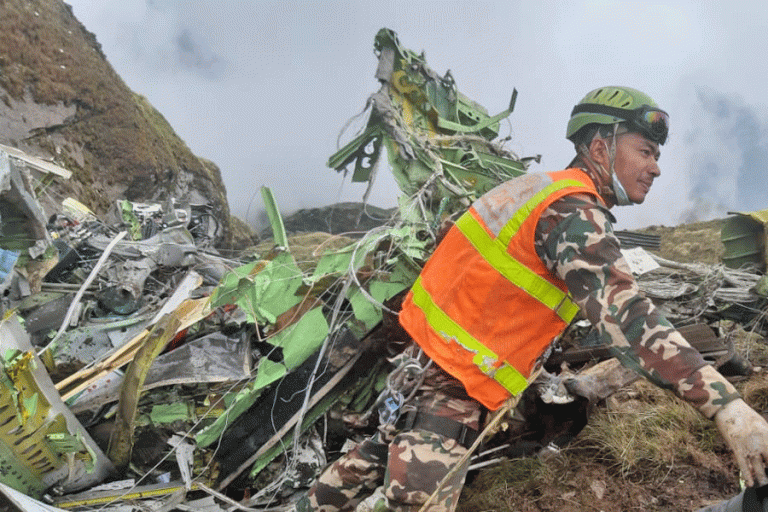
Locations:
{"points": [[263, 88]]}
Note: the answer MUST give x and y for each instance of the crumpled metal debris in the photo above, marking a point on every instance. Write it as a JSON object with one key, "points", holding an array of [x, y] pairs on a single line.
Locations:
{"points": [[686, 290], [24, 240]]}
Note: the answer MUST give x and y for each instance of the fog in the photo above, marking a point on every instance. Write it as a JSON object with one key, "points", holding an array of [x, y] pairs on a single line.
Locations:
{"points": [[263, 88]]}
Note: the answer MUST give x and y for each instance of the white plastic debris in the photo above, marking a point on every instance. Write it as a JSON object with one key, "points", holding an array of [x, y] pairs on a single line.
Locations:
{"points": [[640, 262]]}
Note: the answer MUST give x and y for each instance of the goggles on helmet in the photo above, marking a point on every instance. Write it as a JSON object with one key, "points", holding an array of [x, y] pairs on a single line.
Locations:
{"points": [[652, 122]]}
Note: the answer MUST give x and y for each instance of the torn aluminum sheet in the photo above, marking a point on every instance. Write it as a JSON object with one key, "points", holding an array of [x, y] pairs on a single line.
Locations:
{"points": [[33, 416], [212, 358], [84, 345], [173, 247], [76, 301], [184, 450], [263, 289], [79, 347], [109, 361], [188, 313], [44, 313]]}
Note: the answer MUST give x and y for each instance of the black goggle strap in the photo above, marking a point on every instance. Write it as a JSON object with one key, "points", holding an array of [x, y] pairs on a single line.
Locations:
{"points": [[652, 121]]}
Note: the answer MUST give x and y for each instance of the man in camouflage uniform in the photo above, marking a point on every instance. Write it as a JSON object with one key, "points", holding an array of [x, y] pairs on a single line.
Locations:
{"points": [[408, 462], [617, 132]]}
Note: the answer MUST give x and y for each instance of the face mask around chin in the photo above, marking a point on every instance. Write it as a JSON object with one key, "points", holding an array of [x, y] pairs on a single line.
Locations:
{"points": [[621, 195]]}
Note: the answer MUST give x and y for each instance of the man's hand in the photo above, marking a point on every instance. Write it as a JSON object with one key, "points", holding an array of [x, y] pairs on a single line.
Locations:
{"points": [[746, 433]]}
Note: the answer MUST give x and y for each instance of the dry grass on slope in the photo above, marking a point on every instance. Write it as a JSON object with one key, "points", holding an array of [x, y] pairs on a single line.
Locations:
{"points": [[646, 450]]}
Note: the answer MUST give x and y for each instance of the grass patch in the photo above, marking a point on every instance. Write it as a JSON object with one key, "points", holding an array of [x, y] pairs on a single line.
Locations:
{"points": [[649, 430], [646, 450], [697, 242], [492, 489], [749, 344], [755, 392]]}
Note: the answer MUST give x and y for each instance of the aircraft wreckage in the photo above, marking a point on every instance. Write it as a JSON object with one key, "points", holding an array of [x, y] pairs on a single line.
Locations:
{"points": [[142, 370]]}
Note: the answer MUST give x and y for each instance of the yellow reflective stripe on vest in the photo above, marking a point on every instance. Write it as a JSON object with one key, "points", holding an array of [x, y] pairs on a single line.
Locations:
{"points": [[495, 253], [484, 358]]}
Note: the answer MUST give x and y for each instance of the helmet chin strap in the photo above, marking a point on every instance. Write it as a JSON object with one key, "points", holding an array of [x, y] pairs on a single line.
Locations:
{"points": [[618, 189], [608, 183]]}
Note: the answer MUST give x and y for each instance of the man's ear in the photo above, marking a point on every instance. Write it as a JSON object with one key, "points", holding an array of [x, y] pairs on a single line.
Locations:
{"points": [[598, 151]]}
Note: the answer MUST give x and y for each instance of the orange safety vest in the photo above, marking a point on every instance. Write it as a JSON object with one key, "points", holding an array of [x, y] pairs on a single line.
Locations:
{"points": [[485, 308]]}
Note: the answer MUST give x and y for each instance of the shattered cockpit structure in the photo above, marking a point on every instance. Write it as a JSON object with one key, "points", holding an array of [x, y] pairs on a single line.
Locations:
{"points": [[137, 357]]}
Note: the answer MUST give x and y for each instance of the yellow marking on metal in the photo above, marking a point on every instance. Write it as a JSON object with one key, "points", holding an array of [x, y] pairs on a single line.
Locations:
{"points": [[118, 496]]}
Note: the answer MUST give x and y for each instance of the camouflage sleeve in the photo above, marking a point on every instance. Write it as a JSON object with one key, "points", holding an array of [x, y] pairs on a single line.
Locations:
{"points": [[575, 240]]}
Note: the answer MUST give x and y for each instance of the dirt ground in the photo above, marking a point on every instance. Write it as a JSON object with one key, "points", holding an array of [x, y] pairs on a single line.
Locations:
{"points": [[583, 485]]}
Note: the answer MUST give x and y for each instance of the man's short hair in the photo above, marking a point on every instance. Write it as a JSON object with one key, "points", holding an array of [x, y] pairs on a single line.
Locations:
{"points": [[586, 134]]}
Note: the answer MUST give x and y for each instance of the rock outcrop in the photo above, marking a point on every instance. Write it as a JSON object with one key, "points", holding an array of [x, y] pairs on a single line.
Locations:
{"points": [[61, 100]]}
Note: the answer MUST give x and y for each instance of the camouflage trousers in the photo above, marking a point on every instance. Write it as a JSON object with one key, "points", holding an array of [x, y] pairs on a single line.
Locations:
{"points": [[408, 465]]}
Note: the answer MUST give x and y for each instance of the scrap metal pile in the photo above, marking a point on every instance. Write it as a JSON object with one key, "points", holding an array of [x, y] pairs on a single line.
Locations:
{"points": [[142, 370]]}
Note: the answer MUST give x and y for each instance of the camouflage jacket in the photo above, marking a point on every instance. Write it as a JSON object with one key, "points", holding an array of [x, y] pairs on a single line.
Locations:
{"points": [[575, 240]]}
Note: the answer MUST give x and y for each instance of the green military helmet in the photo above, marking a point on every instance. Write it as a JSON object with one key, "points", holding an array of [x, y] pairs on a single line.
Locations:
{"points": [[613, 104]]}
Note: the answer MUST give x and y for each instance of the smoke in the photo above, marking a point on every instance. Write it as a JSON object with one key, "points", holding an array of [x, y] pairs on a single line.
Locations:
{"points": [[165, 37], [728, 150], [194, 54]]}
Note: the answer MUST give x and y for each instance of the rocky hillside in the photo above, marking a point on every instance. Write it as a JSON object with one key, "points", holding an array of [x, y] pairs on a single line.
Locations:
{"points": [[62, 101]]}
